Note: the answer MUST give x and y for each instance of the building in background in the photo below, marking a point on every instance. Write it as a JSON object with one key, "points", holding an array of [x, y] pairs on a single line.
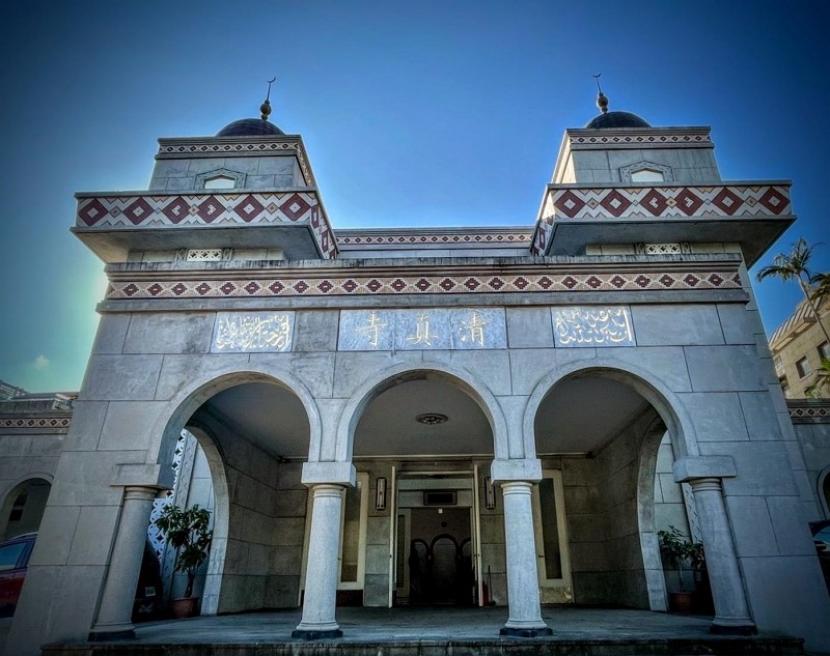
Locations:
{"points": [[798, 346]]}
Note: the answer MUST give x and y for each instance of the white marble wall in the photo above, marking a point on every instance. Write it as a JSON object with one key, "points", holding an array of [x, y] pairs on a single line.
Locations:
{"points": [[703, 366]]}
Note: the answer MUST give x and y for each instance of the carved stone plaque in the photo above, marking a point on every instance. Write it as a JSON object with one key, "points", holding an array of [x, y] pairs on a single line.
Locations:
{"points": [[237, 332], [592, 325], [422, 329]]}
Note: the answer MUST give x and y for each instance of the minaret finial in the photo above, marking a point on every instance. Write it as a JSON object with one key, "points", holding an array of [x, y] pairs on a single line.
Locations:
{"points": [[602, 99], [265, 107]]}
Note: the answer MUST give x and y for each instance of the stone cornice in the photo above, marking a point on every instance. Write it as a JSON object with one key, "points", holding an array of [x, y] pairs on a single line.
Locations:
{"points": [[669, 137], [424, 277]]}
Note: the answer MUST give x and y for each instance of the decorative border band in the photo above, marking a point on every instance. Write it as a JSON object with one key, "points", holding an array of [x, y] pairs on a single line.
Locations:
{"points": [[644, 139], [348, 238], [721, 201], [183, 210], [565, 204], [32, 423], [361, 285], [226, 147], [819, 412]]}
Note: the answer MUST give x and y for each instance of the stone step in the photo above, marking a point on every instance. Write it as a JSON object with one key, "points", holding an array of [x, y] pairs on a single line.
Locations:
{"points": [[712, 646]]}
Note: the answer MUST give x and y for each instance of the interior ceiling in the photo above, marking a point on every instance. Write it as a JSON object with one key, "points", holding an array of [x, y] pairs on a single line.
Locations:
{"points": [[581, 415], [268, 415], [388, 425]]}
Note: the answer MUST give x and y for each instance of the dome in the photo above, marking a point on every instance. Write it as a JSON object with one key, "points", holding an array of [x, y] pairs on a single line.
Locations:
{"points": [[617, 120], [249, 127]]}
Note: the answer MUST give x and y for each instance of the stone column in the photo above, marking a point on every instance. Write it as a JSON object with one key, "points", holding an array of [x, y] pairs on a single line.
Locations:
{"points": [[115, 613], [322, 565], [731, 610], [525, 615]]}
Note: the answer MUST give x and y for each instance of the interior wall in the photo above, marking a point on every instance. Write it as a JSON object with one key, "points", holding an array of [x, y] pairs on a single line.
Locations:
{"points": [[493, 560], [376, 573], [603, 517], [267, 507], [617, 472]]}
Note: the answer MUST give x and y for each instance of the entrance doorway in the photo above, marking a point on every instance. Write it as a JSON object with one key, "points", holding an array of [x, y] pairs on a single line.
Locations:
{"points": [[435, 539], [440, 560]]}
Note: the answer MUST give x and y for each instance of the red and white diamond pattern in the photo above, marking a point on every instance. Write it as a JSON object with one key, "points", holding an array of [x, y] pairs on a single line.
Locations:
{"points": [[418, 239], [342, 284], [34, 423], [721, 201], [563, 204], [290, 208]]}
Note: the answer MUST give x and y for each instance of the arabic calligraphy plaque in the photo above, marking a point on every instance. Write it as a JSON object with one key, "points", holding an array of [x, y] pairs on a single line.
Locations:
{"points": [[238, 332], [591, 326]]}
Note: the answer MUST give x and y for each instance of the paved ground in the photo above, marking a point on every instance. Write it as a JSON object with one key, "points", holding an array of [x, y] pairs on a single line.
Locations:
{"points": [[437, 632], [401, 624]]}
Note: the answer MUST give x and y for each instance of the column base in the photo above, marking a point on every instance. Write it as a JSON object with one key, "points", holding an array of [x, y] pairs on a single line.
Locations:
{"points": [[727, 628], [525, 632], [112, 632], [316, 634]]}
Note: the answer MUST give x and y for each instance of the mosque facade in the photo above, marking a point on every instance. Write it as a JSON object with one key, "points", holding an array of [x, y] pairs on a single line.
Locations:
{"points": [[431, 416]]}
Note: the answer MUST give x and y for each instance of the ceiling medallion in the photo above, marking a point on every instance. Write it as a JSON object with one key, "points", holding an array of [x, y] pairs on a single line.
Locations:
{"points": [[431, 418]]}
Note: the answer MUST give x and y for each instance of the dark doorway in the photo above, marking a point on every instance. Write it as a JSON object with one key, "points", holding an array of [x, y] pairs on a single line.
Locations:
{"points": [[440, 558]]}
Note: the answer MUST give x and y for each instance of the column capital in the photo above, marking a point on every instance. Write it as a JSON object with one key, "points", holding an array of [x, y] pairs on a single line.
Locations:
{"points": [[689, 468], [706, 484], [141, 492], [133, 474], [326, 489], [516, 487], [335, 473], [516, 469]]}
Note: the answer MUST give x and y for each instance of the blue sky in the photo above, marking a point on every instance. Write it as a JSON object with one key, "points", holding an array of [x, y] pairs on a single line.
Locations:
{"points": [[414, 114]]}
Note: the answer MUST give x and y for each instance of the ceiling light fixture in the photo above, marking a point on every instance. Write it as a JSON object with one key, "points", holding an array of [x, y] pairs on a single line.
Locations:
{"points": [[432, 418]]}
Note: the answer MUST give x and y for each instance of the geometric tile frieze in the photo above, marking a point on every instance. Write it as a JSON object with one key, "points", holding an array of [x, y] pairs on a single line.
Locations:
{"points": [[348, 284], [220, 209], [34, 424], [807, 412], [676, 202], [485, 238], [564, 204], [644, 139]]}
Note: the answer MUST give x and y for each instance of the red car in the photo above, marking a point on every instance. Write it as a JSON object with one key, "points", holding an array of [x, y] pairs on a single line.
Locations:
{"points": [[14, 559]]}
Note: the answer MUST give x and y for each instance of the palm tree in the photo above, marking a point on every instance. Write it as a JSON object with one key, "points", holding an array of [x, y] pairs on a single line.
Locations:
{"points": [[794, 266], [822, 380], [821, 281]]}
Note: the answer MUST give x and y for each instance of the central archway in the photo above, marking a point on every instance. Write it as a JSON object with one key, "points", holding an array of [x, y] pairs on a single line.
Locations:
{"points": [[422, 441]]}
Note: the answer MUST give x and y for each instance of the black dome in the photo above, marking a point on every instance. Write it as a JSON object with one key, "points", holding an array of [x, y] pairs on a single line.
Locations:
{"points": [[249, 127], [617, 120]]}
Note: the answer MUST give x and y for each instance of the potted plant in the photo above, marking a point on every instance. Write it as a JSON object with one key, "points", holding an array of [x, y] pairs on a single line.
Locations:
{"points": [[680, 552], [186, 530]]}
